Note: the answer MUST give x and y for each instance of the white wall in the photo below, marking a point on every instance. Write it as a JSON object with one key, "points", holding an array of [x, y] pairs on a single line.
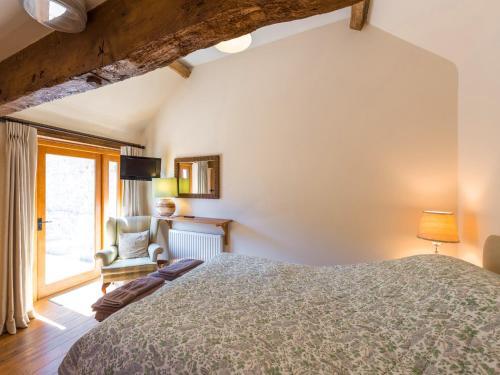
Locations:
{"points": [[332, 142], [467, 33], [479, 158]]}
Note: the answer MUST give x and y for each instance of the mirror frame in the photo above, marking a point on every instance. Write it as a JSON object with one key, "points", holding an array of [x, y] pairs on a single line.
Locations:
{"points": [[213, 158]]}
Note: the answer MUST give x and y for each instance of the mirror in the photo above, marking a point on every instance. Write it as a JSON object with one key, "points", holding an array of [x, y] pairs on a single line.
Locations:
{"points": [[198, 177]]}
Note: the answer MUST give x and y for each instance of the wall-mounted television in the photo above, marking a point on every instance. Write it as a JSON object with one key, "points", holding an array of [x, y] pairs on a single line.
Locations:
{"points": [[139, 168]]}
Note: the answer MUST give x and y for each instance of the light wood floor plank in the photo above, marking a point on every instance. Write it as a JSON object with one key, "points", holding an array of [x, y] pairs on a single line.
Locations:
{"points": [[40, 348]]}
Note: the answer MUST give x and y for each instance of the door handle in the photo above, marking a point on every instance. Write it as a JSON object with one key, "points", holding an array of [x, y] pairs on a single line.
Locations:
{"points": [[40, 223]]}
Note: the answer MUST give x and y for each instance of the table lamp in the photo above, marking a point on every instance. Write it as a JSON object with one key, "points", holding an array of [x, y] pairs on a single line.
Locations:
{"points": [[163, 190], [438, 227]]}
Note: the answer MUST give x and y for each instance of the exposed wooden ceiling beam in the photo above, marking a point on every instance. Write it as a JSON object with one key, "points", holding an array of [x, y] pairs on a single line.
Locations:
{"points": [[359, 14], [126, 38], [181, 68]]}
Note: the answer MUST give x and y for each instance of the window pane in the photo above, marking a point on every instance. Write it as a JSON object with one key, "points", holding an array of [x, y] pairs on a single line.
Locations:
{"points": [[113, 189], [70, 212]]}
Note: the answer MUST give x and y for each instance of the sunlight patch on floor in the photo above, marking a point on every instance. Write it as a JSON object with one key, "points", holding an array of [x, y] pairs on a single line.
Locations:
{"points": [[81, 299], [49, 322]]}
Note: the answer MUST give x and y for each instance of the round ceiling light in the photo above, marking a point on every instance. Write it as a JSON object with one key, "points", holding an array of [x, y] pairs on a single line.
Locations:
{"points": [[68, 16], [235, 45]]}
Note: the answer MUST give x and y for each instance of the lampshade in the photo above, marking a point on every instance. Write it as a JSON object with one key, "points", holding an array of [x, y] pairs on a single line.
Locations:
{"points": [[165, 187], [69, 16], [438, 226]]}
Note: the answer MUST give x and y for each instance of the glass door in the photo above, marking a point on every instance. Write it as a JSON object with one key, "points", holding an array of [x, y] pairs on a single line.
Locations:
{"points": [[68, 217]]}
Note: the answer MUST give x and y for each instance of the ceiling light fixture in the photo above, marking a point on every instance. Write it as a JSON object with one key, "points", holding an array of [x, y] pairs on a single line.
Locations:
{"points": [[55, 10], [235, 45], [69, 16]]}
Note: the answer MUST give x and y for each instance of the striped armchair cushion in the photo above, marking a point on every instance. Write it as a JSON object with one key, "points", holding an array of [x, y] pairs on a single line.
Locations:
{"points": [[127, 269]]}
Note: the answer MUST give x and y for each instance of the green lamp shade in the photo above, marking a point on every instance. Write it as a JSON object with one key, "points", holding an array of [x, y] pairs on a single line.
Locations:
{"points": [[165, 187]]}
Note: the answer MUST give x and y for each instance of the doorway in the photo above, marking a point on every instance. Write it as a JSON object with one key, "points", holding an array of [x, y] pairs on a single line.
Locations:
{"points": [[77, 189]]}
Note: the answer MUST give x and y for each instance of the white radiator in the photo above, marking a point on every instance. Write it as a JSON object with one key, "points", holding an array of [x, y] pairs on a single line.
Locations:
{"points": [[203, 246]]}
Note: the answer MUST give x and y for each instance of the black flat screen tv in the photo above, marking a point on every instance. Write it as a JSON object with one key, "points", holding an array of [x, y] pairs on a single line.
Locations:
{"points": [[139, 168]]}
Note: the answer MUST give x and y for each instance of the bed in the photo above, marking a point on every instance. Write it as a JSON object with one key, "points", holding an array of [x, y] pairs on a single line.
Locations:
{"points": [[424, 314]]}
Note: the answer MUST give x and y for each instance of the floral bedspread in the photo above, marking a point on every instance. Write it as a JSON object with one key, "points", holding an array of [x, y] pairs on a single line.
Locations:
{"points": [[427, 314]]}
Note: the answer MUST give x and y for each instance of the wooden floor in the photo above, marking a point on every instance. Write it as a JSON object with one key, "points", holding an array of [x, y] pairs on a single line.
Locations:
{"points": [[40, 348]]}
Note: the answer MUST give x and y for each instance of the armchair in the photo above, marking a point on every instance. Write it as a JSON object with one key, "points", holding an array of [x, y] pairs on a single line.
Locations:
{"points": [[108, 260]]}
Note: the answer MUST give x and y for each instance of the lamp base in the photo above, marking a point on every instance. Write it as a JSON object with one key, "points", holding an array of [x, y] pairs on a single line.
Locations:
{"points": [[436, 247], [165, 207]]}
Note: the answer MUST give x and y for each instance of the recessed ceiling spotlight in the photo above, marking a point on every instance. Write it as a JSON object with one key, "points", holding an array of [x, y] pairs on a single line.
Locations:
{"points": [[69, 16], [235, 45]]}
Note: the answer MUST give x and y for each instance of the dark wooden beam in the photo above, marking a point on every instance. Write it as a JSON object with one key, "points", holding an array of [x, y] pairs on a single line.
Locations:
{"points": [[48, 131], [126, 38], [359, 14]]}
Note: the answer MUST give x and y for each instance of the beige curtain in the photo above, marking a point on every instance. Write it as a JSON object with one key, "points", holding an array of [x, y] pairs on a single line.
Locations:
{"points": [[133, 197], [18, 156]]}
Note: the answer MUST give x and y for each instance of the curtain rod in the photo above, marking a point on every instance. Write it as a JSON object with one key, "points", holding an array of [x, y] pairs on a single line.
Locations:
{"points": [[53, 131]]}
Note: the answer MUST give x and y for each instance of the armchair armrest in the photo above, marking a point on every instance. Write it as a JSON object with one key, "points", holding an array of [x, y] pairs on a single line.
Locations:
{"points": [[154, 250], [107, 256]]}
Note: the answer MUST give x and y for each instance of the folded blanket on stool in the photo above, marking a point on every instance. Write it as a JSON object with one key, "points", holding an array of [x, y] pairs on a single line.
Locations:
{"points": [[176, 270], [124, 295]]}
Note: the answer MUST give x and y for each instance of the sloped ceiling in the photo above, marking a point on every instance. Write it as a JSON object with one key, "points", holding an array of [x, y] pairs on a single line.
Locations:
{"points": [[120, 111], [464, 32], [455, 30], [124, 109]]}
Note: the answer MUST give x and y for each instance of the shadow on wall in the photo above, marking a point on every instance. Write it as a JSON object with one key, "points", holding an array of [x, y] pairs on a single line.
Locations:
{"points": [[333, 142]]}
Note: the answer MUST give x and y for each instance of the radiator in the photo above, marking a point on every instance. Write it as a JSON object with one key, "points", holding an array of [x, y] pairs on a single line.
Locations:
{"points": [[203, 246]]}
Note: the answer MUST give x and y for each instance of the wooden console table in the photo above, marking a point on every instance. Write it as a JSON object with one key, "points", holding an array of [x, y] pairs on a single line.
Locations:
{"points": [[220, 223]]}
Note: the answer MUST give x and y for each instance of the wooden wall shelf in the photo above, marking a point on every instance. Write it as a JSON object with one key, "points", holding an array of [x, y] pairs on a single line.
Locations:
{"points": [[220, 223]]}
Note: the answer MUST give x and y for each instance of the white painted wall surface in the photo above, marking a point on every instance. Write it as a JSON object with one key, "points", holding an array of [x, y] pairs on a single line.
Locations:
{"points": [[332, 142]]}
